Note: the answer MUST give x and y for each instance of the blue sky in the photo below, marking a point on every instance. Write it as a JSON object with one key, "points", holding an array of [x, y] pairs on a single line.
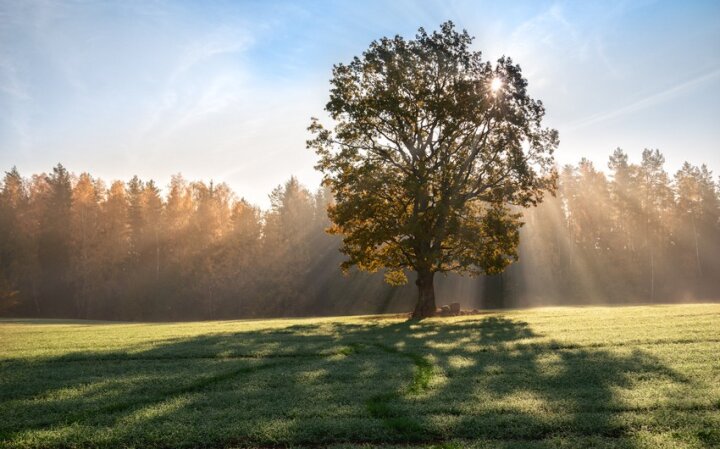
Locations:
{"points": [[225, 90]]}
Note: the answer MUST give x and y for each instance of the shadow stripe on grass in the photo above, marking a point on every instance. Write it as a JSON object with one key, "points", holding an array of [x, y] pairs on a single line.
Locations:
{"points": [[170, 357], [123, 406], [380, 405]]}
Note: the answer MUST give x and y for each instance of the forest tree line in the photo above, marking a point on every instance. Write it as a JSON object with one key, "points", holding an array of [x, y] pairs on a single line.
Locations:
{"points": [[635, 234], [76, 247]]}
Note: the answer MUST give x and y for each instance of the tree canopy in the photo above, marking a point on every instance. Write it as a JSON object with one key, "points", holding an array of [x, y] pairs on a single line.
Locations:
{"points": [[432, 152]]}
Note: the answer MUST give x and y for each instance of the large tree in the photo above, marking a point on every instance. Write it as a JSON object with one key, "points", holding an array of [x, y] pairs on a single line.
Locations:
{"points": [[432, 153]]}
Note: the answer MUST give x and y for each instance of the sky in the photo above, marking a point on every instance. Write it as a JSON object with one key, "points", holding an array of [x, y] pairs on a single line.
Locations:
{"points": [[225, 90]]}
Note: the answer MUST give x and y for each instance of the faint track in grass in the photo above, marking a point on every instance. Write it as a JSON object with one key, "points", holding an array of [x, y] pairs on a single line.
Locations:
{"points": [[380, 406]]}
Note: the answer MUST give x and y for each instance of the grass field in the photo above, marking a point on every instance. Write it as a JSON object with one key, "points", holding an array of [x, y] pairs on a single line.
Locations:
{"points": [[633, 377]]}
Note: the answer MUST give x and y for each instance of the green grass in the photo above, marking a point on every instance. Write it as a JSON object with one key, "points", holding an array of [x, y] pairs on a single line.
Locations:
{"points": [[632, 377]]}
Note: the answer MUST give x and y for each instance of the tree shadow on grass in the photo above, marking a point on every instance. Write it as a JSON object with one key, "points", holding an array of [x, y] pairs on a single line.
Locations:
{"points": [[373, 382]]}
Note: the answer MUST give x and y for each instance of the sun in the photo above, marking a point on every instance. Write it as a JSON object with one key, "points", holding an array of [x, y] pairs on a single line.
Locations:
{"points": [[496, 84]]}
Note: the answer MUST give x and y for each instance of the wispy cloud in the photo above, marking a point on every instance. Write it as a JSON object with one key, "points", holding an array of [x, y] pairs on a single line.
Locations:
{"points": [[644, 103], [10, 83], [184, 97], [207, 47]]}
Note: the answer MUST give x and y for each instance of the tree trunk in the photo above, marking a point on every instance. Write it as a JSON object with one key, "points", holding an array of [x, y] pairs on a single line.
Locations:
{"points": [[425, 306]]}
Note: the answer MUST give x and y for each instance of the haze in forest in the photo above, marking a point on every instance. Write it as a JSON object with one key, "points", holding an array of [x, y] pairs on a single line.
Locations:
{"points": [[77, 246]]}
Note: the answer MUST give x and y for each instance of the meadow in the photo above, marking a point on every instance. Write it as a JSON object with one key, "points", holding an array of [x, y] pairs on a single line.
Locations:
{"points": [[601, 377]]}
